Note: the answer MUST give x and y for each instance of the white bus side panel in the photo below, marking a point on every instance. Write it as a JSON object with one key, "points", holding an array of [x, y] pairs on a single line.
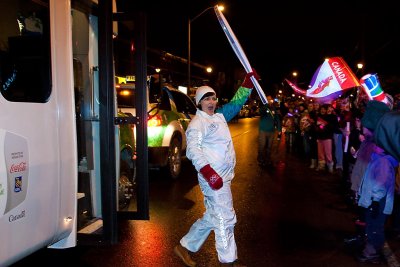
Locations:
{"points": [[64, 87], [38, 143]]}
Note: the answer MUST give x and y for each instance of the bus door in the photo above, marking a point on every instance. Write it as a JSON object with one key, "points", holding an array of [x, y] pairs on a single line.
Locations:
{"points": [[112, 183], [130, 61]]}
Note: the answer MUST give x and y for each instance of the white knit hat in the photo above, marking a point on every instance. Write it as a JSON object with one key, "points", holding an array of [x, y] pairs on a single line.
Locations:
{"points": [[201, 91]]}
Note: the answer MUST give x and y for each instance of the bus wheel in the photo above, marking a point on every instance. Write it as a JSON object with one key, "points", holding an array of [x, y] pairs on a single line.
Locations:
{"points": [[125, 186], [174, 164]]}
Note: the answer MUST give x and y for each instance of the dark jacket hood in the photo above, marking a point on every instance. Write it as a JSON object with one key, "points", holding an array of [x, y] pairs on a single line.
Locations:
{"points": [[387, 133]]}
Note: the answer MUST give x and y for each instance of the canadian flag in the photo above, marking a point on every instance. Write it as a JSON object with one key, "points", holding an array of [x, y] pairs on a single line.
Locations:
{"points": [[330, 80]]}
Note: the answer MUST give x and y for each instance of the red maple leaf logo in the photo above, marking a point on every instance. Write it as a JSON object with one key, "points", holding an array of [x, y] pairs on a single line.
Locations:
{"points": [[322, 85]]}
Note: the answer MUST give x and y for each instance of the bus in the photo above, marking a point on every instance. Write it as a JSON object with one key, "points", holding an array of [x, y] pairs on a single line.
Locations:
{"points": [[68, 160]]}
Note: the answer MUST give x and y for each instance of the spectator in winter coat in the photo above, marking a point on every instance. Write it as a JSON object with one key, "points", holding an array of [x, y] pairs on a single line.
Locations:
{"points": [[289, 127], [324, 134], [376, 186], [377, 195], [373, 113], [270, 122], [311, 134]]}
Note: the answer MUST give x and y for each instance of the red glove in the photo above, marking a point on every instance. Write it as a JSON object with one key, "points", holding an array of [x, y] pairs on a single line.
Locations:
{"points": [[213, 179], [247, 81]]}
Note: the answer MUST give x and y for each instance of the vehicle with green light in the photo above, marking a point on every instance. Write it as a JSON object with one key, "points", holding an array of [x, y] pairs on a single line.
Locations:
{"points": [[169, 114]]}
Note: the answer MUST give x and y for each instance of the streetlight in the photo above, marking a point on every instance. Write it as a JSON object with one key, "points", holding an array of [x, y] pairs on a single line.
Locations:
{"points": [[360, 67], [294, 74], [158, 71], [189, 33]]}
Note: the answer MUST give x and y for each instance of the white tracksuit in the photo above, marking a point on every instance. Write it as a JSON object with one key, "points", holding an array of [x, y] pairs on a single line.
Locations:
{"points": [[209, 142]]}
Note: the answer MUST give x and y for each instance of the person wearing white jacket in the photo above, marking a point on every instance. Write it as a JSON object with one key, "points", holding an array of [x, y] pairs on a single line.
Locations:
{"points": [[210, 148]]}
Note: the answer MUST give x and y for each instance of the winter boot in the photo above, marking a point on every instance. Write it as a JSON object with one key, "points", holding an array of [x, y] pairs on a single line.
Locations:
{"points": [[321, 166], [330, 167], [183, 253], [370, 255], [313, 164]]}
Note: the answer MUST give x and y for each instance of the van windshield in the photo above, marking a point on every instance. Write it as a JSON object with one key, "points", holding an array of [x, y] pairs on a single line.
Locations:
{"points": [[126, 96]]}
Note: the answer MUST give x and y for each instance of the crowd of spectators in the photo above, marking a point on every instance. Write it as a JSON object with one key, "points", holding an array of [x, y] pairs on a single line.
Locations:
{"points": [[338, 139]]}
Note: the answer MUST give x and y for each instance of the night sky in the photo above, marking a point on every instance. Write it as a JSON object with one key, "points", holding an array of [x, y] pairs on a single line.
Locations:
{"points": [[284, 37]]}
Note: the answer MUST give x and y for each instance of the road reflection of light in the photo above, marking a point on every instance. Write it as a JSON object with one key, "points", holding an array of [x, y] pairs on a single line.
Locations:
{"points": [[280, 165], [246, 120], [149, 237], [154, 239]]}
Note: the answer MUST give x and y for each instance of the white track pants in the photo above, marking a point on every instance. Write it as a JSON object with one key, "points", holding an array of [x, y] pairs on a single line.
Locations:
{"points": [[219, 217]]}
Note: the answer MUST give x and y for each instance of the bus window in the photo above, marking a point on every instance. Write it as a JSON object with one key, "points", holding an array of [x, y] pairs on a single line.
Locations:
{"points": [[25, 73]]}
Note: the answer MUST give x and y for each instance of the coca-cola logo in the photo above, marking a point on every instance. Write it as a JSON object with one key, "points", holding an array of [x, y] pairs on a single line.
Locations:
{"points": [[18, 167]]}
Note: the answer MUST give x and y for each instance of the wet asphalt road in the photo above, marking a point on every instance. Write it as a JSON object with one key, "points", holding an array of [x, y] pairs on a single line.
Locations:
{"points": [[288, 216]]}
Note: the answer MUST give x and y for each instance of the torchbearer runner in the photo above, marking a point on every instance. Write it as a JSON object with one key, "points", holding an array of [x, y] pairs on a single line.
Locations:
{"points": [[210, 148]]}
